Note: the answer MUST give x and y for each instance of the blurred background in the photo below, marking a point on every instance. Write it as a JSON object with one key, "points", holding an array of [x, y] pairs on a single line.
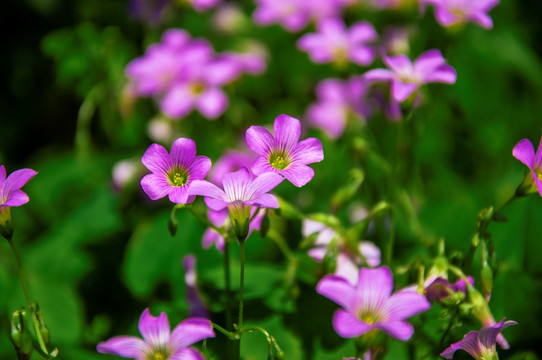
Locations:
{"points": [[96, 253]]}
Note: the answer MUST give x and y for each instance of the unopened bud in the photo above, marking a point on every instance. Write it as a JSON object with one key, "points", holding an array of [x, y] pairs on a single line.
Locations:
{"points": [[19, 336], [6, 225], [487, 280]]}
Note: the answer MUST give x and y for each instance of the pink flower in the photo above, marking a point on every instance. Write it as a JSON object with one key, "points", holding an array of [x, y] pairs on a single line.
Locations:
{"points": [[158, 342], [454, 12], [283, 153], [335, 43], [479, 345], [524, 152], [406, 77], [370, 305], [173, 173], [11, 195]]}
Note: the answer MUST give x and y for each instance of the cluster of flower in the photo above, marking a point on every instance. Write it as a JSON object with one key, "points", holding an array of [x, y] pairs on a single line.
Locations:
{"points": [[182, 74]]}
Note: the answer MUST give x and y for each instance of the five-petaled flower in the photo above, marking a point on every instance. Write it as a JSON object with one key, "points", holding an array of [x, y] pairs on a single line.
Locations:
{"points": [[241, 192], [173, 173], [457, 12], [335, 43], [283, 153], [370, 305], [406, 77], [524, 152], [158, 342], [480, 345], [11, 195]]}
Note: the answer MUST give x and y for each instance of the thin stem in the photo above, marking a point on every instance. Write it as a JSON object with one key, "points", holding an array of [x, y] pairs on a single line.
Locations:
{"points": [[391, 239], [35, 321], [230, 335], [241, 290], [227, 280]]}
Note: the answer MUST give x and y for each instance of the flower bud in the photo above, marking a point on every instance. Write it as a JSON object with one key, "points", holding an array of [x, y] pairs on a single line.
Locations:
{"points": [[487, 280], [20, 337], [6, 225]]}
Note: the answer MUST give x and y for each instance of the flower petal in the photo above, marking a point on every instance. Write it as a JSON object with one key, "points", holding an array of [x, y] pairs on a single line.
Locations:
{"points": [[339, 290], [404, 304], [401, 330], [2, 175], [374, 287], [298, 175], [207, 189], [16, 180], [348, 326], [362, 32], [157, 159], [469, 343], [362, 55], [236, 185], [260, 140], [187, 354], [155, 186], [524, 152], [444, 74], [183, 152], [155, 330], [178, 102], [401, 91], [261, 165], [428, 62], [488, 334], [308, 151], [377, 75], [212, 103], [400, 64], [287, 131], [263, 184], [191, 331], [264, 201], [215, 204], [179, 195], [125, 346], [483, 19], [16, 198], [199, 168]]}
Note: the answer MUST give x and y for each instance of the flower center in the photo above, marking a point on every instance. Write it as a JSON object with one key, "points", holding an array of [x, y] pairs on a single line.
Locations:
{"points": [[158, 355], [178, 177], [279, 161], [197, 88], [369, 317], [539, 174]]}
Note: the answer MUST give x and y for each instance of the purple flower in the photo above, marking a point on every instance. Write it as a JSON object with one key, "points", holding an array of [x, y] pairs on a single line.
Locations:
{"points": [[337, 100], [241, 192], [158, 342], [440, 288], [348, 260], [406, 77], [283, 154], [229, 162], [173, 173], [370, 305], [479, 345], [335, 43], [456, 12], [294, 15], [524, 152], [11, 195]]}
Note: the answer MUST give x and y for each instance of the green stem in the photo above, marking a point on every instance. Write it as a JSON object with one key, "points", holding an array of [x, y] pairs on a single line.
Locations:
{"points": [[390, 241], [230, 335], [241, 290], [35, 321], [227, 277]]}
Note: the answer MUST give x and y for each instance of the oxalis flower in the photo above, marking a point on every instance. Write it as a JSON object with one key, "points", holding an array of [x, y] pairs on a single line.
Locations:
{"points": [[158, 342], [406, 77], [11, 195], [173, 173], [370, 305], [524, 152], [457, 12], [284, 154], [480, 345], [241, 192]]}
